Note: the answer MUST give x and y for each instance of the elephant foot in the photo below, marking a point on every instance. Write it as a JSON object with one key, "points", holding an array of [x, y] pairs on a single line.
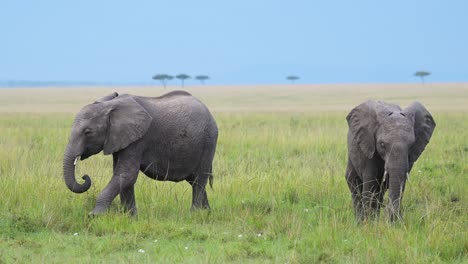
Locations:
{"points": [[394, 215], [97, 211], [200, 207], [132, 212]]}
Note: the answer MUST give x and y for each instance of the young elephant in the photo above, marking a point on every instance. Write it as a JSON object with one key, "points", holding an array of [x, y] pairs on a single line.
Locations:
{"points": [[384, 141], [168, 138]]}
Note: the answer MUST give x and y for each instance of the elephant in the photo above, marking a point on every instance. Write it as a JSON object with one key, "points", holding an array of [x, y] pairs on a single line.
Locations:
{"points": [[168, 138], [384, 142]]}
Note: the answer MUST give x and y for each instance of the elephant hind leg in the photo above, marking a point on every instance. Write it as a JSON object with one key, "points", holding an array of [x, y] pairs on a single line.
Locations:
{"points": [[355, 186], [199, 196], [198, 182], [199, 179]]}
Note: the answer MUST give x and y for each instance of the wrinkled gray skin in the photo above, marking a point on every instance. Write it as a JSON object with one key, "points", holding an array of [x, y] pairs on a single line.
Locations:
{"points": [[168, 138], [383, 139]]}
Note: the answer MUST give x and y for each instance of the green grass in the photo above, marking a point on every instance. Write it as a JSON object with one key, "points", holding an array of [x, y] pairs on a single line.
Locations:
{"points": [[279, 196]]}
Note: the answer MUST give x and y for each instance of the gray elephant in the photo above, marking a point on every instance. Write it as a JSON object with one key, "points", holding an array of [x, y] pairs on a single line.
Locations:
{"points": [[169, 138], [384, 142]]}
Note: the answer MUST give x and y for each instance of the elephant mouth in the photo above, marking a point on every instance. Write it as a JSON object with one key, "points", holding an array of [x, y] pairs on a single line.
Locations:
{"points": [[89, 152]]}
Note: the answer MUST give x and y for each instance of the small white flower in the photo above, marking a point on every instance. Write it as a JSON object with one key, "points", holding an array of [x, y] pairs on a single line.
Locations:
{"points": [[75, 234], [141, 251], [186, 248], [259, 234], [239, 236], [306, 210], [155, 241], [419, 171]]}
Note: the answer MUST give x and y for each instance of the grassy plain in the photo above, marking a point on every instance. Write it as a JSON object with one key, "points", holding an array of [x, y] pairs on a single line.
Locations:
{"points": [[279, 192]]}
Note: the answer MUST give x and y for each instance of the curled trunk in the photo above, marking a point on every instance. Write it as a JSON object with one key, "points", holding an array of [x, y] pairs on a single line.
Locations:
{"points": [[69, 175]]}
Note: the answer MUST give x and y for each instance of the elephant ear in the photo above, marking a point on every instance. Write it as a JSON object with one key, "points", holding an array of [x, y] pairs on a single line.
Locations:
{"points": [[362, 122], [128, 122], [107, 97], [424, 126]]}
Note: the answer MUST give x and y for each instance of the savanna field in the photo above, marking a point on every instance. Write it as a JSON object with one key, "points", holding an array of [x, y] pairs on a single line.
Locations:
{"points": [[279, 192]]}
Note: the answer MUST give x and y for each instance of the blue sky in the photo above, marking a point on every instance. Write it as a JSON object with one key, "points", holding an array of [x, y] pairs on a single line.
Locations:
{"points": [[234, 42]]}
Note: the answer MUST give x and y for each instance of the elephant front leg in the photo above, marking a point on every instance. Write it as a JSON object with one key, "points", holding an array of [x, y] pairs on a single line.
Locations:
{"points": [[126, 169], [127, 200], [106, 197], [371, 198], [355, 186], [372, 191]]}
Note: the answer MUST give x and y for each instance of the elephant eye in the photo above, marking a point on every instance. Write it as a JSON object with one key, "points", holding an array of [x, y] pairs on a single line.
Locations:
{"points": [[87, 132], [382, 144]]}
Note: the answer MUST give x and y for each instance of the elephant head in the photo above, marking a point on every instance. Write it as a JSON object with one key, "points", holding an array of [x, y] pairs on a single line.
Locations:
{"points": [[397, 136], [109, 124]]}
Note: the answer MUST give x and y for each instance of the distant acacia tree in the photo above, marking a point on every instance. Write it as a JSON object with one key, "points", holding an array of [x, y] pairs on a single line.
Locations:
{"points": [[422, 74], [163, 78], [202, 78], [292, 78], [182, 77]]}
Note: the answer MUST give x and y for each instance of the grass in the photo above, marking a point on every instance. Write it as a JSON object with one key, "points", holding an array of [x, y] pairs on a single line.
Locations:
{"points": [[279, 193]]}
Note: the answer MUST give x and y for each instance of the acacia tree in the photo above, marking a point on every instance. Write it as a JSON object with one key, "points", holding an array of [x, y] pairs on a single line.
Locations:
{"points": [[163, 78], [422, 74], [202, 78], [292, 78], [182, 77]]}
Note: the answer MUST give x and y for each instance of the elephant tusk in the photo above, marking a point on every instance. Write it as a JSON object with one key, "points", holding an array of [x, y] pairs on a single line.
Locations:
{"points": [[76, 159], [407, 176], [385, 180]]}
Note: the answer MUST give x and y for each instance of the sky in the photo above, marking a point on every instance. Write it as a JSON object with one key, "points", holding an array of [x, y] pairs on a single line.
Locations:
{"points": [[234, 42]]}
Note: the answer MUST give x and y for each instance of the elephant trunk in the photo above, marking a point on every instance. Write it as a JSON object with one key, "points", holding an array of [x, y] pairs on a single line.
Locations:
{"points": [[397, 180], [69, 162], [397, 167]]}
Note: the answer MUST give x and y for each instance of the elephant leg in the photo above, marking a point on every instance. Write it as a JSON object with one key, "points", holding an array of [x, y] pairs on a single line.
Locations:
{"points": [[377, 189], [126, 168], [127, 200], [106, 197], [371, 198], [355, 186], [110, 191], [380, 195], [199, 196], [371, 187]]}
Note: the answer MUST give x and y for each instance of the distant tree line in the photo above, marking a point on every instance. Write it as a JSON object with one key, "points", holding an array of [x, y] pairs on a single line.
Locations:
{"points": [[165, 78]]}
